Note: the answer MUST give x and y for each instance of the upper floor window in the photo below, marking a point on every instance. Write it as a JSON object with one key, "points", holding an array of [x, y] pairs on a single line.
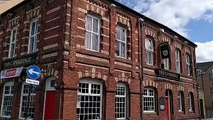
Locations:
{"points": [[92, 33], [121, 42], [32, 44], [166, 63], [89, 103], [7, 100], [12, 48], [149, 100], [188, 65], [149, 45], [121, 104], [178, 61]]}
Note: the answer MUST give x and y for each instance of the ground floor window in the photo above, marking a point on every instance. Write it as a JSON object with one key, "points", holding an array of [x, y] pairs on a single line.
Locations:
{"points": [[121, 101], [149, 100], [89, 102], [7, 100], [180, 101], [191, 101], [24, 101]]}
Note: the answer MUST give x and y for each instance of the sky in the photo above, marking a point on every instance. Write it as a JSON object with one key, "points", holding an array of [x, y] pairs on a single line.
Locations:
{"points": [[192, 19]]}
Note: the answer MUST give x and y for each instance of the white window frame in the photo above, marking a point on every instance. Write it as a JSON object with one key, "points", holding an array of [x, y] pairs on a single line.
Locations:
{"points": [[121, 86], [9, 84], [149, 45], [178, 61], [32, 95], [90, 82], [13, 38], [119, 41], [92, 32], [149, 96], [188, 65], [190, 102], [166, 63], [180, 101], [33, 38]]}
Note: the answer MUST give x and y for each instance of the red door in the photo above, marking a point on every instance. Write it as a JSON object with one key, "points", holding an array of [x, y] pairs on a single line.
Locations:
{"points": [[167, 107], [50, 105]]}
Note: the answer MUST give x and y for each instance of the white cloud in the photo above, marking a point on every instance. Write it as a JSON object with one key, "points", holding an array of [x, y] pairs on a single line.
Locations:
{"points": [[175, 14], [204, 51], [208, 18]]}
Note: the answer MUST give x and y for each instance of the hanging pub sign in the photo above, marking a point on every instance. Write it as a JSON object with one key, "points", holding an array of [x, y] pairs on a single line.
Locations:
{"points": [[164, 49]]}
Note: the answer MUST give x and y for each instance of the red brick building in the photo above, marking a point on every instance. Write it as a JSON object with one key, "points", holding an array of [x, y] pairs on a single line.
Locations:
{"points": [[99, 60]]}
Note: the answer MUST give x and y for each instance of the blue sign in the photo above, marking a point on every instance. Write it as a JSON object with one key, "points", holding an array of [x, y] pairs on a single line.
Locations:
{"points": [[33, 72]]}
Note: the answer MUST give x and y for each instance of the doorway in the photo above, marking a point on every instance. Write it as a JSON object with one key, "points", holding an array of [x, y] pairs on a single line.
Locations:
{"points": [[50, 99], [169, 104]]}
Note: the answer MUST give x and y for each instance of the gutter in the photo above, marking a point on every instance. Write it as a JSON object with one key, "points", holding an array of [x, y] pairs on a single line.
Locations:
{"points": [[140, 26]]}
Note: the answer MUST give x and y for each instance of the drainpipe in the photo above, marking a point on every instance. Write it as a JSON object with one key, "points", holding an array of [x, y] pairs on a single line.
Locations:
{"points": [[140, 26]]}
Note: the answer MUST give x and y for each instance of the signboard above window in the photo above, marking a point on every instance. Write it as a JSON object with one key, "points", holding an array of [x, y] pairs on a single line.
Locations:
{"points": [[20, 61]]}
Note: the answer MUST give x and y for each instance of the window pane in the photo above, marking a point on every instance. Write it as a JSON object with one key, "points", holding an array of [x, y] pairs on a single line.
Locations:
{"points": [[123, 35], [123, 49], [149, 100], [94, 42], [7, 100], [89, 23], [95, 25], [118, 33], [32, 45], [121, 42], [120, 102], [89, 105], [88, 40], [92, 33], [33, 28]]}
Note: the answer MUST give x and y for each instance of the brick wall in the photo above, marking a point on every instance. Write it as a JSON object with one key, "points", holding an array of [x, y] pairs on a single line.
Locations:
{"points": [[62, 53]]}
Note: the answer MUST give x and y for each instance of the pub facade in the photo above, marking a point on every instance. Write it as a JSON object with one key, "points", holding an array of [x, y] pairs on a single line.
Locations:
{"points": [[99, 60]]}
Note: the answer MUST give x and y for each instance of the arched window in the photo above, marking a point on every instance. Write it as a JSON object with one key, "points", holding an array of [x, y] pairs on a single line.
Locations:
{"points": [[178, 60], [7, 100], [188, 65], [181, 101], [89, 104], [149, 99], [121, 101], [191, 101], [149, 45], [24, 101]]}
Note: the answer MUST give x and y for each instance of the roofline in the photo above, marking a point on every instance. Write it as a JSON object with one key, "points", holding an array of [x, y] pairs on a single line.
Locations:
{"points": [[205, 63], [149, 19], [14, 7], [116, 3]]}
